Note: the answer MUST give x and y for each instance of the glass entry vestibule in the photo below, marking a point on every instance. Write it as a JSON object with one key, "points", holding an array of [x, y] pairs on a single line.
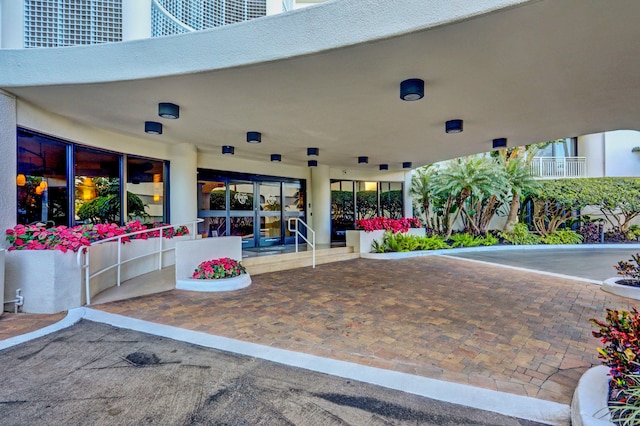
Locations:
{"points": [[253, 207]]}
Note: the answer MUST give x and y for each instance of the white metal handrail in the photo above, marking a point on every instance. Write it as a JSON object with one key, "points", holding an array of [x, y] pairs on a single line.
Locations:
{"points": [[558, 167], [82, 257], [297, 233]]}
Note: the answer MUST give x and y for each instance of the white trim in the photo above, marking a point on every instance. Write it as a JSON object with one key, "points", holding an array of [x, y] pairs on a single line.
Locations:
{"points": [[225, 284]]}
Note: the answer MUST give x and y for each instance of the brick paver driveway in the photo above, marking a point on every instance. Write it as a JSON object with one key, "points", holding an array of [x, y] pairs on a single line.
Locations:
{"points": [[442, 318]]}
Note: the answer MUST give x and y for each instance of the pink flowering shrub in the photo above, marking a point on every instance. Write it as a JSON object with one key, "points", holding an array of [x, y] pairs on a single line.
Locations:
{"points": [[384, 223], [63, 238], [224, 267]]}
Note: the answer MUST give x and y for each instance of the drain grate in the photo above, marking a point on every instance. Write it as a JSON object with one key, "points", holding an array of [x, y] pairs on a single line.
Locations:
{"points": [[142, 359]]}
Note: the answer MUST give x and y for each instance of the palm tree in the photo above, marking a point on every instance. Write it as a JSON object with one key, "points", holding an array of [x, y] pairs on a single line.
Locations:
{"points": [[464, 178], [518, 175]]}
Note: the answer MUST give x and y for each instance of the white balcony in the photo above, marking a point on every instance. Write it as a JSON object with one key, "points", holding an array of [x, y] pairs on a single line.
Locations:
{"points": [[559, 167]]}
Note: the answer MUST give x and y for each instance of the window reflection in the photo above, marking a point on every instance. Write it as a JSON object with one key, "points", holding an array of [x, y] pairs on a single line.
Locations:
{"points": [[97, 188], [145, 189]]}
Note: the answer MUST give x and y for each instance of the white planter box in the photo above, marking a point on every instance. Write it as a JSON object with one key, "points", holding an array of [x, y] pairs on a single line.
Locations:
{"points": [[189, 254], [225, 284], [50, 280], [609, 285], [589, 406], [361, 241]]}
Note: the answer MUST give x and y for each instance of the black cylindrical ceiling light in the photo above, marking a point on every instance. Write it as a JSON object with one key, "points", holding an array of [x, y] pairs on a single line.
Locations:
{"points": [[384, 167], [313, 151], [312, 163], [453, 126], [406, 165], [412, 89], [153, 127], [254, 137], [228, 150], [500, 143], [276, 158], [168, 110], [363, 160]]}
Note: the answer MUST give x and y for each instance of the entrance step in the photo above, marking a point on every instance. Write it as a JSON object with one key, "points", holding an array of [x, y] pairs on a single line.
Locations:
{"points": [[282, 262]]}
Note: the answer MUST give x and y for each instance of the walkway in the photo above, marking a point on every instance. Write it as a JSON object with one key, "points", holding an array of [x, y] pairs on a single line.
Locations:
{"points": [[436, 317]]}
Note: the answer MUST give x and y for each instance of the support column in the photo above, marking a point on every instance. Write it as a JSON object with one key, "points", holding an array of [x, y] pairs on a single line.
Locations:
{"points": [[592, 147], [321, 204], [8, 147], [11, 24], [406, 194], [274, 7], [136, 19], [183, 172]]}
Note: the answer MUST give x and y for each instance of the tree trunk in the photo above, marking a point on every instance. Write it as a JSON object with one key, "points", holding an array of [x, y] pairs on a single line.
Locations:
{"points": [[512, 218]]}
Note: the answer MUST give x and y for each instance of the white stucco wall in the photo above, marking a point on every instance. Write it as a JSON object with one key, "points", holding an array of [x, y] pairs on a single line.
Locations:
{"points": [[136, 19], [8, 197], [11, 24], [619, 160]]}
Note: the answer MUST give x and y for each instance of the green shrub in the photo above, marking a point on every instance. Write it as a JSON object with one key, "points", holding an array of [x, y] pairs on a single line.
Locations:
{"points": [[434, 242], [520, 235], [489, 240], [562, 236]]}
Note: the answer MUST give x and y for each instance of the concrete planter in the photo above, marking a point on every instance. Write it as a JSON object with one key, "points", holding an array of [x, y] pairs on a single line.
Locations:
{"points": [[610, 285], [51, 281], [189, 254], [225, 284], [589, 406], [361, 240]]}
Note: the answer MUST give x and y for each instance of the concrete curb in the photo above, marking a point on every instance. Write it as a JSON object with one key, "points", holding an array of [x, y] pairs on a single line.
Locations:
{"points": [[609, 285], [589, 404], [225, 284]]}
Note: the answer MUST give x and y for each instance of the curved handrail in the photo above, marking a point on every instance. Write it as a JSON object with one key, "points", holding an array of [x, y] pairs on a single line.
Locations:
{"points": [[82, 258], [297, 233], [172, 18]]}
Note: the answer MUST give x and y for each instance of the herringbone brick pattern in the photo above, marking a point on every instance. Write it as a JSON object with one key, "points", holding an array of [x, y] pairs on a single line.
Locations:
{"points": [[496, 328]]}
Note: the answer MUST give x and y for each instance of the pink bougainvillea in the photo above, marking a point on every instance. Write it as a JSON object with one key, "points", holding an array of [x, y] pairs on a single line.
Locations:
{"points": [[223, 267], [63, 238], [385, 223]]}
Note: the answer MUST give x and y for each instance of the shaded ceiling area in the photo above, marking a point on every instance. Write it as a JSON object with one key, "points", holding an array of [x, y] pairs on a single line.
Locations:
{"points": [[540, 71]]}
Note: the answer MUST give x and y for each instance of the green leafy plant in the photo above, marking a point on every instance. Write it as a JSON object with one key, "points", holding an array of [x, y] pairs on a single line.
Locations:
{"points": [[626, 410], [434, 242], [620, 335], [630, 269], [520, 235], [398, 242], [465, 240], [562, 236]]}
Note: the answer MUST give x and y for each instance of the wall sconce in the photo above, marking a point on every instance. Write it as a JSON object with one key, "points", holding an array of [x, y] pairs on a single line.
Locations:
{"points": [[384, 167], [412, 89], [88, 189], [153, 127], [168, 110], [276, 158], [21, 180], [499, 143], [228, 150], [312, 163], [313, 151], [406, 165], [453, 126], [254, 137], [363, 160]]}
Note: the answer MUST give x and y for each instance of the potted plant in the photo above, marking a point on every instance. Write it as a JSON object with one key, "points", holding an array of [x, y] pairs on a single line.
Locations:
{"points": [[627, 283], [222, 274]]}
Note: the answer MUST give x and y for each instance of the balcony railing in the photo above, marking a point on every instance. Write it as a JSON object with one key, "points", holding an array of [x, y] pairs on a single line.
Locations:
{"points": [[559, 167]]}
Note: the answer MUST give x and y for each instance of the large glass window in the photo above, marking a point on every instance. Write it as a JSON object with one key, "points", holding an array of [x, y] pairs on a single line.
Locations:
{"points": [[63, 183], [145, 189], [43, 194], [342, 208], [97, 186], [391, 199], [366, 200]]}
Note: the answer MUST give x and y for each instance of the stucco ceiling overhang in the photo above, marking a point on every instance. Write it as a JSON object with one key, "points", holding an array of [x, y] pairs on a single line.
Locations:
{"points": [[328, 77]]}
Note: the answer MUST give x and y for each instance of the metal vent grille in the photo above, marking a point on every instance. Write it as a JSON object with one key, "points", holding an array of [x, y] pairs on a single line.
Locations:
{"points": [[55, 23], [176, 16]]}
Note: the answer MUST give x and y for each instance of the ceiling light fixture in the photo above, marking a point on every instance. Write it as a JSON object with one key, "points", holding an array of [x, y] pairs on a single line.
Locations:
{"points": [[384, 167], [168, 110], [412, 89], [363, 160], [153, 127], [453, 126], [312, 163], [500, 143], [254, 137], [406, 165], [228, 150], [313, 151], [276, 158]]}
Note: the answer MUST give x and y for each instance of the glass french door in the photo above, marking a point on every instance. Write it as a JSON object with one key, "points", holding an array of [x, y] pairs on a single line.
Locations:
{"points": [[256, 211]]}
